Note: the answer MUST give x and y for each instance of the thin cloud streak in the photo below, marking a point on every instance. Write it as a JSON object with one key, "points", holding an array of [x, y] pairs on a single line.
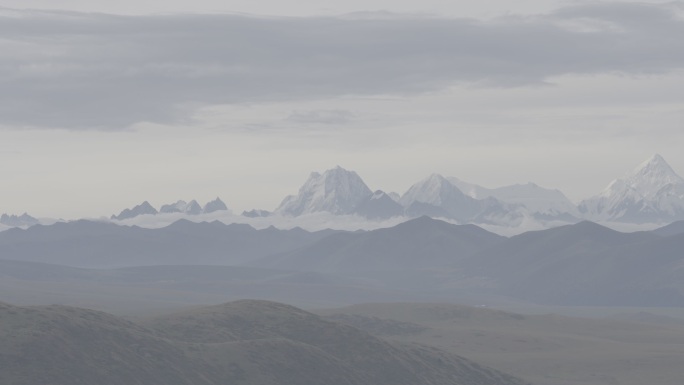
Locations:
{"points": [[93, 71]]}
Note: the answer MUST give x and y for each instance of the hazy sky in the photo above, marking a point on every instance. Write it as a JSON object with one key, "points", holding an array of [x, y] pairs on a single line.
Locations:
{"points": [[106, 104]]}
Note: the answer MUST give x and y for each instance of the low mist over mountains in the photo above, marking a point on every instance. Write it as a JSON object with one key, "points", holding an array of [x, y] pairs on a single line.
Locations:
{"points": [[652, 194]]}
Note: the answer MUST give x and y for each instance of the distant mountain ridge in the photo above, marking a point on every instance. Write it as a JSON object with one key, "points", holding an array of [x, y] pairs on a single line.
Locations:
{"points": [[652, 194], [18, 220], [579, 264], [183, 242], [188, 208]]}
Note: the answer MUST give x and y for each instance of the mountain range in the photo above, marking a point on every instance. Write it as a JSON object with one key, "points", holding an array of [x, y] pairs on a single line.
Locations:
{"points": [[189, 208], [422, 259], [652, 193]]}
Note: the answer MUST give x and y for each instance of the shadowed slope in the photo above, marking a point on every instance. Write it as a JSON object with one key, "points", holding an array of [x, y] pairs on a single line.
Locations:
{"points": [[100, 244], [376, 361], [59, 345], [241, 343], [418, 243]]}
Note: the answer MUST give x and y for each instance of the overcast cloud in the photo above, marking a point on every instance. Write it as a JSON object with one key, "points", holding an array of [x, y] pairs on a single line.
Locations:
{"points": [[95, 71]]}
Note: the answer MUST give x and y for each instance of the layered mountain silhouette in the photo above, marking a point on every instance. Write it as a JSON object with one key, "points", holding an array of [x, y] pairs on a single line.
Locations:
{"points": [[580, 264], [585, 264], [422, 243], [101, 244]]}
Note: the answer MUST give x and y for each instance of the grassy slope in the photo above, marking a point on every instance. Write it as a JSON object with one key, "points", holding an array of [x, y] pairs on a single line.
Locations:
{"points": [[544, 349]]}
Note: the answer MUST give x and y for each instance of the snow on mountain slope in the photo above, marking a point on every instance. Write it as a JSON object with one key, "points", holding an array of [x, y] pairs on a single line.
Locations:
{"points": [[337, 191], [653, 192], [470, 189], [436, 196], [540, 202]]}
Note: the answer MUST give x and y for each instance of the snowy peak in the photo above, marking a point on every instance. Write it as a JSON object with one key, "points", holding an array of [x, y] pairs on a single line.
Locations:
{"points": [[435, 196], [652, 176], [337, 191], [435, 190], [653, 192]]}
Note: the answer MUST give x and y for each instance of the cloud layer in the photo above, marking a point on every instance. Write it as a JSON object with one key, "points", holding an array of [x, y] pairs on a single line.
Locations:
{"points": [[95, 71]]}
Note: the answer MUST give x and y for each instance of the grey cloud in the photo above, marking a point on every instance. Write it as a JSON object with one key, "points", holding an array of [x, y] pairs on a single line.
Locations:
{"points": [[95, 71], [326, 117]]}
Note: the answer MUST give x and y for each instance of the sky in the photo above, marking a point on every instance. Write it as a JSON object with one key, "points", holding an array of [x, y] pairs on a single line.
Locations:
{"points": [[106, 104]]}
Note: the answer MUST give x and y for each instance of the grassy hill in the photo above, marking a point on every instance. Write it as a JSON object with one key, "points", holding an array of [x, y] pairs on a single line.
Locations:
{"points": [[242, 343]]}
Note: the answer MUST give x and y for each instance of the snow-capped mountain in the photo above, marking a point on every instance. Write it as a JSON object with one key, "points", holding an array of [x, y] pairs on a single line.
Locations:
{"points": [[191, 208], [541, 203], [141, 209], [435, 196], [18, 220], [337, 191], [653, 192]]}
